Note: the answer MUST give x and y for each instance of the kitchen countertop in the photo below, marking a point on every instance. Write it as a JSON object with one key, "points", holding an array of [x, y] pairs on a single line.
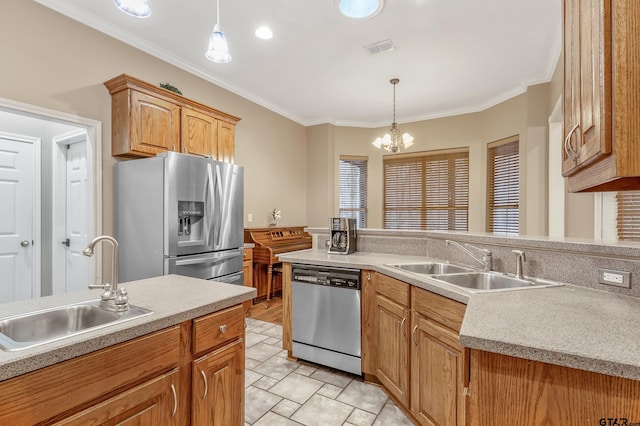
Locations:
{"points": [[172, 298], [570, 326]]}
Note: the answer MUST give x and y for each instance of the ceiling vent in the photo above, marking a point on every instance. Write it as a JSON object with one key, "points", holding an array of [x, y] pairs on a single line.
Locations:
{"points": [[380, 46]]}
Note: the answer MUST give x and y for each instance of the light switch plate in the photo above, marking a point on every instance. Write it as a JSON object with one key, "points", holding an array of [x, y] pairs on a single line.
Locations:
{"points": [[613, 277]]}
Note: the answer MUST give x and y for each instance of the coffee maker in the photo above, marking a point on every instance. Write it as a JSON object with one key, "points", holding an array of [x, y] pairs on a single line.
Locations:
{"points": [[342, 235]]}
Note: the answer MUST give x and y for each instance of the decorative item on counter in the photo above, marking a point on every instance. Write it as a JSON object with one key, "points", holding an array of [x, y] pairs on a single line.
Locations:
{"points": [[168, 86], [275, 215]]}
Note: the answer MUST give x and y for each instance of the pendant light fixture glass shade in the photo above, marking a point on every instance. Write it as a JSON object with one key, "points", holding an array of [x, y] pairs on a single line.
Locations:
{"points": [[137, 8], [218, 47], [394, 140]]}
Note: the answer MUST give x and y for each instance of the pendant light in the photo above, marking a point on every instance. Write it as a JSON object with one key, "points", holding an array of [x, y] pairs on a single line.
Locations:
{"points": [[218, 48], [394, 140], [136, 8]]}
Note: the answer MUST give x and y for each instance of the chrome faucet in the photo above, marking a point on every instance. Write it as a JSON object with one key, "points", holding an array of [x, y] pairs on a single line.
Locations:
{"points": [[486, 261], [114, 296], [520, 259]]}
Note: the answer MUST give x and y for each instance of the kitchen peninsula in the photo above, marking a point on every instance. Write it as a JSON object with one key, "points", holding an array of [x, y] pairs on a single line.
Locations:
{"points": [[161, 368], [568, 354]]}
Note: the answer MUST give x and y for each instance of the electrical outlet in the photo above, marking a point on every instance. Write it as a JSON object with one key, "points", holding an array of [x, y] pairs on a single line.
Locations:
{"points": [[250, 217], [616, 278]]}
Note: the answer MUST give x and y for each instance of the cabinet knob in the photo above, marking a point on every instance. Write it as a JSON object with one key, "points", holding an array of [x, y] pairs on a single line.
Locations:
{"points": [[223, 328]]}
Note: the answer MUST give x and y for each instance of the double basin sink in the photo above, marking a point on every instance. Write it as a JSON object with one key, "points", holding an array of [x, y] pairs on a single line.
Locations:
{"points": [[49, 325], [470, 279]]}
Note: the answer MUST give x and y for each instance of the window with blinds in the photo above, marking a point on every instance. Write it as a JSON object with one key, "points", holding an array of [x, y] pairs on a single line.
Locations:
{"points": [[503, 198], [353, 189], [628, 215], [427, 190]]}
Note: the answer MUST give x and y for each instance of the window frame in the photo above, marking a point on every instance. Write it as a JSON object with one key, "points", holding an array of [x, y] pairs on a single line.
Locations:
{"points": [[360, 213], [420, 211], [507, 147]]}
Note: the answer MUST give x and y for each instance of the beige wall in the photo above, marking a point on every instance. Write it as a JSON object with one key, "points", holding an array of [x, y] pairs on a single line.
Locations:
{"points": [[525, 115], [57, 63]]}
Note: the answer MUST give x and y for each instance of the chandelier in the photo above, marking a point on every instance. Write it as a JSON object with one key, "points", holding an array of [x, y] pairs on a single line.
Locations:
{"points": [[394, 140]]}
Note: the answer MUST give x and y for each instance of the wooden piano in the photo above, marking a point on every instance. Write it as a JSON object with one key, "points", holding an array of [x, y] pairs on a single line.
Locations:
{"points": [[269, 243]]}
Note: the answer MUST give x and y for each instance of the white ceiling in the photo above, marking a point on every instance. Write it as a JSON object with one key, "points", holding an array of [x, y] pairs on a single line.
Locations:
{"points": [[451, 56]]}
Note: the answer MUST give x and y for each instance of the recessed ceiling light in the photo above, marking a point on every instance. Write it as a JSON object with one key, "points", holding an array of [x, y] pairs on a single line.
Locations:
{"points": [[359, 9], [264, 33]]}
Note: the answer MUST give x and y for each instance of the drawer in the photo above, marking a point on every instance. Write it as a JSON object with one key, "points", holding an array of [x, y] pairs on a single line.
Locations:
{"points": [[248, 254], [393, 289], [218, 328], [438, 308]]}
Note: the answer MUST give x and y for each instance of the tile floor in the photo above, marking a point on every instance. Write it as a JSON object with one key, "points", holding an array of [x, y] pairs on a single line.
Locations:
{"points": [[280, 392]]}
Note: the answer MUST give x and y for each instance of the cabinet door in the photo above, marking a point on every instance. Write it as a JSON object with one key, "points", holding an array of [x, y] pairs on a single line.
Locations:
{"points": [[155, 125], [587, 116], [152, 403], [218, 387], [226, 143], [437, 363], [199, 133], [392, 324]]}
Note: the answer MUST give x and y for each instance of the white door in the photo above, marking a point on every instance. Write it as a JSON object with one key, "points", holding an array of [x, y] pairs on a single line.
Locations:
{"points": [[77, 218], [17, 185]]}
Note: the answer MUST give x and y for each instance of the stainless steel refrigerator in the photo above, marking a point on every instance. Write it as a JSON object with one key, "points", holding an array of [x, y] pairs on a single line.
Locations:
{"points": [[179, 214]]}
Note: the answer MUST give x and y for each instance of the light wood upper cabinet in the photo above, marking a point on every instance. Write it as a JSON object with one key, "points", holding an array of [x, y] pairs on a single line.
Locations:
{"points": [[144, 125], [226, 142], [601, 150], [147, 120], [199, 133]]}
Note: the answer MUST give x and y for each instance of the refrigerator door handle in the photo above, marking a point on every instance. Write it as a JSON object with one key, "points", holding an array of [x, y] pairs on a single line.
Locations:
{"points": [[209, 258], [218, 206], [209, 198]]}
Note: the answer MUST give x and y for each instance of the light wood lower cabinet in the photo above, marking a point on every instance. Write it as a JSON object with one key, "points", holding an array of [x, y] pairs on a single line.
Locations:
{"points": [[438, 362], [152, 403], [417, 356], [513, 391], [144, 381], [392, 325], [218, 381]]}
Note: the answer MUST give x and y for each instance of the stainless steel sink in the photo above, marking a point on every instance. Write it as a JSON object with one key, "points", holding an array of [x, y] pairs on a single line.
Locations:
{"points": [[45, 326], [487, 281], [432, 268]]}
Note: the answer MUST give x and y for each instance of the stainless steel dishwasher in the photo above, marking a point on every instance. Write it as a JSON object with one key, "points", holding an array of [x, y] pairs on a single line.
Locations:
{"points": [[325, 305]]}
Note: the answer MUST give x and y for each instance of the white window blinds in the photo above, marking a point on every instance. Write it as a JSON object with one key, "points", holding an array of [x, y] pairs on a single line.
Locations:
{"points": [[428, 190], [503, 198], [628, 215], [353, 189]]}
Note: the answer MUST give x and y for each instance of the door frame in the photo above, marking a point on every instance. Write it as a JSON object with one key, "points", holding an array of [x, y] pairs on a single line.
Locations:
{"points": [[59, 198], [36, 226], [94, 161]]}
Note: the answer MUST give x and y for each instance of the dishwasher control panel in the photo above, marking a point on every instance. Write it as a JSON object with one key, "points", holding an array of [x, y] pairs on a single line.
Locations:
{"points": [[333, 277]]}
